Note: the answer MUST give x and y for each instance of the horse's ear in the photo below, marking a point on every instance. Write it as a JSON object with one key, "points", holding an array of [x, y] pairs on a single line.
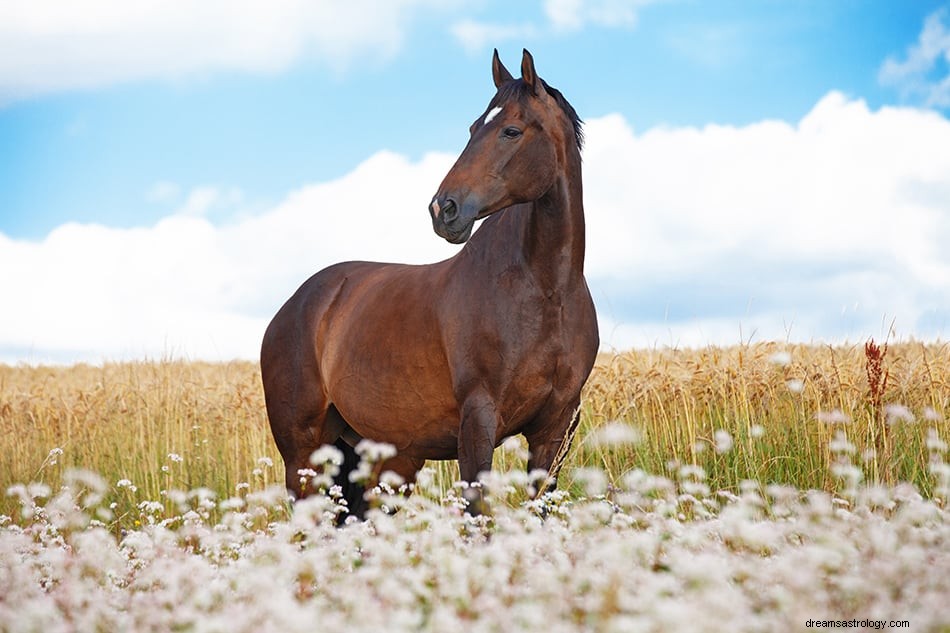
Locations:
{"points": [[528, 74], [498, 71]]}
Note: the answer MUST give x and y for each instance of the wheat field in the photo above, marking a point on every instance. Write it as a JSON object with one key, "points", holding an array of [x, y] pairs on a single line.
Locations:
{"points": [[768, 413]]}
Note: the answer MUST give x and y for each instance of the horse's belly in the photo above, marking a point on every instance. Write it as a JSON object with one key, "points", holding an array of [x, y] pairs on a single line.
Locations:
{"points": [[416, 424], [398, 393]]}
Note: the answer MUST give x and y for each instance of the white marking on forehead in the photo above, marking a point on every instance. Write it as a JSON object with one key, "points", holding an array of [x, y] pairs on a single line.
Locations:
{"points": [[491, 115]]}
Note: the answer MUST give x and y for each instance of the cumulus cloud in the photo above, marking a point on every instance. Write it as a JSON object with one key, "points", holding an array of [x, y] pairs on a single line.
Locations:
{"points": [[162, 191], [925, 70], [186, 287], [560, 16], [575, 14], [827, 229], [46, 45], [820, 229], [474, 35], [202, 201]]}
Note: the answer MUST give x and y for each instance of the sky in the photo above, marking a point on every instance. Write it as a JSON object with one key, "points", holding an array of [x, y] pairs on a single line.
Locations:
{"points": [[171, 171]]}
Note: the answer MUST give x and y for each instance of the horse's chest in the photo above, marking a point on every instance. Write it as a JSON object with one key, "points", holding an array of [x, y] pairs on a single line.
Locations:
{"points": [[538, 353]]}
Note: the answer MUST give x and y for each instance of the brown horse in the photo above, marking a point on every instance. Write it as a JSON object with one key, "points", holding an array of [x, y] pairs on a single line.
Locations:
{"points": [[446, 360]]}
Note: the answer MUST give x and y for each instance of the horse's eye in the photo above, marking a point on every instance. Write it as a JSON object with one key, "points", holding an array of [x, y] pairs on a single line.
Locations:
{"points": [[511, 132]]}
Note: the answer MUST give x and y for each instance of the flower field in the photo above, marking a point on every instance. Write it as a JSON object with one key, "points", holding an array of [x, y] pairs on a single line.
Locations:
{"points": [[766, 488]]}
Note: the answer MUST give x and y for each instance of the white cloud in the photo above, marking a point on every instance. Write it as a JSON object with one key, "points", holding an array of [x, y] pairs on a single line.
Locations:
{"points": [[773, 224], [925, 71], [560, 16], [571, 15], [163, 191], [201, 201], [710, 45], [47, 45], [474, 36], [821, 230], [189, 288]]}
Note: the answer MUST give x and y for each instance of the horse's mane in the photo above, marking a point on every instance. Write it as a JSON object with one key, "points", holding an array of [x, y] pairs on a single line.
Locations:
{"points": [[519, 90]]}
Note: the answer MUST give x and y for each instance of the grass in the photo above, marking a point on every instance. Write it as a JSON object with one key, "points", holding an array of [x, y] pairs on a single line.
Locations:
{"points": [[767, 413]]}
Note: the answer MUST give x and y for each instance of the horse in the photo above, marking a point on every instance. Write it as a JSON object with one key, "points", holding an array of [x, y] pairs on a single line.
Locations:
{"points": [[446, 360]]}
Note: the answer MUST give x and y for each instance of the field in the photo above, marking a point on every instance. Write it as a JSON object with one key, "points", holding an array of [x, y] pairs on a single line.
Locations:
{"points": [[750, 488]]}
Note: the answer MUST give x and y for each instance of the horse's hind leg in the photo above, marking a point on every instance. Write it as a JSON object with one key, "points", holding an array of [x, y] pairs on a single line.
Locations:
{"points": [[297, 410], [297, 437]]}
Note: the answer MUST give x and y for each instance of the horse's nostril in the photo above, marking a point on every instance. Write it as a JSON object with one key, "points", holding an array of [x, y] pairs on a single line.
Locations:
{"points": [[450, 211]]}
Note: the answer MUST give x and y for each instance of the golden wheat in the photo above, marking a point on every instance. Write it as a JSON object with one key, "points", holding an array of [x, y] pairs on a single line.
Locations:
{"points": [[780, 404], [765, 412]]}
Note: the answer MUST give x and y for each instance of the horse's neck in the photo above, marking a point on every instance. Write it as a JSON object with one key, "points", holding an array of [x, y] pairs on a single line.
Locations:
{"points": [[554, 233], [545, 237]]}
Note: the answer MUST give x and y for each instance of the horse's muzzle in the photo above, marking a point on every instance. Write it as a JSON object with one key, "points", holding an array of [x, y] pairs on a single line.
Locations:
{"points": [[450, 211], [448, 223]]}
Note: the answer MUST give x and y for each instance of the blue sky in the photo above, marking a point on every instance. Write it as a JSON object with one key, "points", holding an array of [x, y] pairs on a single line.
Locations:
{"points": [[116, 125]]}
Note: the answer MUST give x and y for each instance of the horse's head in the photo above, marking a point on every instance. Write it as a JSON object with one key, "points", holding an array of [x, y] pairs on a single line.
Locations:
{"points": [[516, 150]]}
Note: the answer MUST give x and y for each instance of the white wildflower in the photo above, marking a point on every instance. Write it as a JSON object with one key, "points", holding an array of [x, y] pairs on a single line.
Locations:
{"points": [[375, 451], [151, 507], [941, 473], [839, 444], [425, 480], [781, 359], [692, 471], [934, 443], [53, 456], [516, 447], [932, 415], [694, 489], [895, 413], [850, 474], [835, 416], [394, 480], [795, 385], [614, 434], [327, 455], [89, 486], [723, 441], [593, 480], [756, 431], [38, 490], [176, 458]]}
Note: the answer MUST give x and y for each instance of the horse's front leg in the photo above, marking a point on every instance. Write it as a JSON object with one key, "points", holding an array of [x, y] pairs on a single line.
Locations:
{"points": [[477, 432]]}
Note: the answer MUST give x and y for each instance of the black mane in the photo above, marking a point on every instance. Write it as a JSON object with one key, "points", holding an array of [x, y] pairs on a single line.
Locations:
{"points": [[519, 90]]}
